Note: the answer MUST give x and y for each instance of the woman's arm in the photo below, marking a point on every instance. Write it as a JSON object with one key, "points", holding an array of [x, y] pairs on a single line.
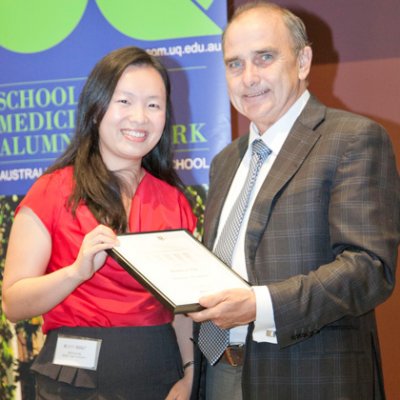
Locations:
{"points": [[183, 328], [27, 290]]}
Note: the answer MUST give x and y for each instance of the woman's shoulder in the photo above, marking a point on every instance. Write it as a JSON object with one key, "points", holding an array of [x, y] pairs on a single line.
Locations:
{"points": [[49, 195], [57, 183], [60, 181]]}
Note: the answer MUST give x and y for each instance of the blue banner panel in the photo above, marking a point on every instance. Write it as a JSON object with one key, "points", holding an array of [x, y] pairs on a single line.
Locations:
{"points": [[48, 48]]}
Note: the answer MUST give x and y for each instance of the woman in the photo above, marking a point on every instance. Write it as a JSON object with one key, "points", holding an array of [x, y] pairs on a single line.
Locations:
{"points": [[107, 337]]}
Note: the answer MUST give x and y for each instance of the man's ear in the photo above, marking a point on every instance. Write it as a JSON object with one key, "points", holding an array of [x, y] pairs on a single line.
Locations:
{"points": [[304, 62]]}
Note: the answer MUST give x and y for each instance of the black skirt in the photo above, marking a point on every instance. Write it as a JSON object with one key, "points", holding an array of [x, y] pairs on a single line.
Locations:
{"points": [[134, 363]]}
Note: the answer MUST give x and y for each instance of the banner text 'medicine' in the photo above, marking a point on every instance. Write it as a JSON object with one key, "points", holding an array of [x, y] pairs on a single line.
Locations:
{"points": [[36, 121]]}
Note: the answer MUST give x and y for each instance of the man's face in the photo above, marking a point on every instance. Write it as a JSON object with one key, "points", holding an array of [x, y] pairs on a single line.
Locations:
{"points": [[264, 74]]}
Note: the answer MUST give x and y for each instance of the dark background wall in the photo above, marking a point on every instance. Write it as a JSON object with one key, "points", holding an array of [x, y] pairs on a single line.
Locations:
{"points": [[356, 66]]}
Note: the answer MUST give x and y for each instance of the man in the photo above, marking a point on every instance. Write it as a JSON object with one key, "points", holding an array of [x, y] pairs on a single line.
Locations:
{"points": [[319, 237]]}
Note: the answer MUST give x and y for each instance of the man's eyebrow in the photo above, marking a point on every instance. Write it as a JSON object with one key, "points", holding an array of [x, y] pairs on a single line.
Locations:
{"points": [[254, 53], [230, 59], [266, 50]]}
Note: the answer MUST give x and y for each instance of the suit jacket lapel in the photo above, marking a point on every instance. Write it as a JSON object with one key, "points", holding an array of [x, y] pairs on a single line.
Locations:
{"points": [[298, 144]]}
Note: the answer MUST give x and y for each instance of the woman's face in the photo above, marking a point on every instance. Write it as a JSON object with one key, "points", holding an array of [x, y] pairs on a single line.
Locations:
{"points": [[135, 118]]}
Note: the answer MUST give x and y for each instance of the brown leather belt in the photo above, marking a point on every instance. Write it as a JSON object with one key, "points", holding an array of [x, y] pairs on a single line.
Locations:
{"points": [[233, 355]]}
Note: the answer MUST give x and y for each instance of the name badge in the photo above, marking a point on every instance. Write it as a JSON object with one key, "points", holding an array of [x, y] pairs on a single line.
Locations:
{"points": [[77, 352]]}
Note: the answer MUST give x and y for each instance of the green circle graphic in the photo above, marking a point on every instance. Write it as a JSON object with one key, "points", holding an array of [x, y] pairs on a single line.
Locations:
{"points": [[158, 19], [36, 25]]}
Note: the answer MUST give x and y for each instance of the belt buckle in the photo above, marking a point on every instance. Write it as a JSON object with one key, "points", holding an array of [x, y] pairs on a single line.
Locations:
{"points": [[234, 355]]}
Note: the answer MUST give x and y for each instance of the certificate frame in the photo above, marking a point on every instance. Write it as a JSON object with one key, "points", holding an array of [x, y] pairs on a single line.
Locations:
{"points": [[174, 267]]}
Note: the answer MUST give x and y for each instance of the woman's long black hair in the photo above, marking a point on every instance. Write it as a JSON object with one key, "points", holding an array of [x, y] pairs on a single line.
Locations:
{"points": [[96, 186]]}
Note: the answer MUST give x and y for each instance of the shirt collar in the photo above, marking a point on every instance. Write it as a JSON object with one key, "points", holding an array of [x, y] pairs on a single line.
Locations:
{"points": [[275, 135]]}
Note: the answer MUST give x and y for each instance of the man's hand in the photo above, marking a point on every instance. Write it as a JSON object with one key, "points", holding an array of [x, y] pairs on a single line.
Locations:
{"points": [[227, 309]]}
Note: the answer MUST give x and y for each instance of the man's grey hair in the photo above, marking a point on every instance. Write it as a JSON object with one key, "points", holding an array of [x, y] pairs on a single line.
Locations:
{"points": [[295, 25]]}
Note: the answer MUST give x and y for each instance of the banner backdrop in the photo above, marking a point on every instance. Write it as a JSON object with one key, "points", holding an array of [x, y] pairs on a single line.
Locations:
{"points": [[47, 48]]}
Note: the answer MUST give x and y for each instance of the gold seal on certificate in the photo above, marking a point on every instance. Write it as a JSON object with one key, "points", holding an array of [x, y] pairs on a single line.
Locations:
{"points": [[175, 267]]}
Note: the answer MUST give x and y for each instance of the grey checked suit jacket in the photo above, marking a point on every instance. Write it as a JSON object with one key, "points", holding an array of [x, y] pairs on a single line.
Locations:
{"points": [[323, 235]]}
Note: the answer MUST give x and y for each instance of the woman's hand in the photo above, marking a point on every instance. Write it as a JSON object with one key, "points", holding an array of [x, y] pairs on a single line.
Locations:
{"points": [[183, 388], [92, 254]]}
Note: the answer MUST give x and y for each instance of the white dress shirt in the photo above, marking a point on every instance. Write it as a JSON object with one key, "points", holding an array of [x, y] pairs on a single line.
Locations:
{"points": [[274, 137]]}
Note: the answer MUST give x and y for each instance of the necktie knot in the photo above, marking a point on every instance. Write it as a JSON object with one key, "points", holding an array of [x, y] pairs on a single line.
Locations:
{"points": [[261, 149]]}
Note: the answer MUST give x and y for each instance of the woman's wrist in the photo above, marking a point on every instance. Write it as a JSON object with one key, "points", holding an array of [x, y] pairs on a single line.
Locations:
{"points": [[188, 364]]}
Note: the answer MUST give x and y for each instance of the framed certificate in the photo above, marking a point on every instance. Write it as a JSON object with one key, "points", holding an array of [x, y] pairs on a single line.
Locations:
{"points": [[175, 267]]}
